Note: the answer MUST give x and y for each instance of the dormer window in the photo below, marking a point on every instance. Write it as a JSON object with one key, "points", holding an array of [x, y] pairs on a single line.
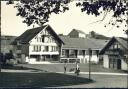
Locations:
{"points": [[37, 40]]}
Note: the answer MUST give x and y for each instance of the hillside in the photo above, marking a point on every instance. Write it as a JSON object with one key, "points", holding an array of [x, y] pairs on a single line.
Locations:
{"points": [[95, 35]]}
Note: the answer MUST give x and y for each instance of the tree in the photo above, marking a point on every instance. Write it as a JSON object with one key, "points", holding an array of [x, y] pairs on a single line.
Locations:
{"points": [[119, 8], [92, 33], [38, 11]]}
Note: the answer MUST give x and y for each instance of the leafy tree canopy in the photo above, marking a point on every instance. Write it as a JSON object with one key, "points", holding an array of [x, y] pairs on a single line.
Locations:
{"points": [[119, 8], [38, 11]]}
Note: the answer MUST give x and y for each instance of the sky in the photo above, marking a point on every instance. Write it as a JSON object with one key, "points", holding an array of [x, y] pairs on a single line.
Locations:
{"points": [[62, 23]]}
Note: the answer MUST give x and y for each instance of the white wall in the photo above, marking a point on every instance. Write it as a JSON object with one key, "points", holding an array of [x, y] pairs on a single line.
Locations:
{"points": [[36, 41], [33, 61], [105, 61], [82, 35], [124, 65], [82, 58], [94, 58]]}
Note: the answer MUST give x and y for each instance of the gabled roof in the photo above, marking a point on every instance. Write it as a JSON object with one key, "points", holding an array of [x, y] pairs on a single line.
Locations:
{"points": [[79, 31], [82, 43], [75, 30], [121, 41], [31, 33]]}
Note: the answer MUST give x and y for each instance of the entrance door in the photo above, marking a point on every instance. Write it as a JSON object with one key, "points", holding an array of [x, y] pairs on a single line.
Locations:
{"points": [[118, 64], [111, 63]]}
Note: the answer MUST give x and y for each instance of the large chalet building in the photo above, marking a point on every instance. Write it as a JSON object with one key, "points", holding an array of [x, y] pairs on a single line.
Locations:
{"points": [[37, 45], [42, 44]]}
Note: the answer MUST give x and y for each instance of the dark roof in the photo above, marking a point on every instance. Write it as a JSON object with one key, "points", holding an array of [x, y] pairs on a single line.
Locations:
{"points": [[30, 33], [121, 41], [82, 43]]}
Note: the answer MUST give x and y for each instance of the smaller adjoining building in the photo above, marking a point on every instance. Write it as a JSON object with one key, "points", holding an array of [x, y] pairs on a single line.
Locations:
{"points": [[77, 49], [115, 54], [77, 34]]}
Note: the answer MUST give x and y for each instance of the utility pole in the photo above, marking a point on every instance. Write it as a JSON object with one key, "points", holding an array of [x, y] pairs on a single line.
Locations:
{"points": [[90, 54], [127, 49], [0, 47], [0, 41], [126, 32], [127, 53]]}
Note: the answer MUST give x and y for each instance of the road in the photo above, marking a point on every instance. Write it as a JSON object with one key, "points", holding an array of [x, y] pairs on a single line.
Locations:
{"points": [[102, 81], [103, 78]]}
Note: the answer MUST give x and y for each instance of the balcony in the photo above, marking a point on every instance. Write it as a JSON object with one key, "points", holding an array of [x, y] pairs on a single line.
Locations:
{"points": [[69, 56], [44, 53]]}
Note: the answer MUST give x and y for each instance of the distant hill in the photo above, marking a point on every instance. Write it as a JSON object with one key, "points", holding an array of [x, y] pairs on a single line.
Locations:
{"points": [[95, 35]]}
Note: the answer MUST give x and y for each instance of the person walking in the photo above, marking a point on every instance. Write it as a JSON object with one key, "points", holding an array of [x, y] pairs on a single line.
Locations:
{"points": [[77, 69], [65, 67]]}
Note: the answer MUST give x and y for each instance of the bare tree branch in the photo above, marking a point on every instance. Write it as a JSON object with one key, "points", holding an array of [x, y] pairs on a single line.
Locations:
{"points": [[105, 14]]}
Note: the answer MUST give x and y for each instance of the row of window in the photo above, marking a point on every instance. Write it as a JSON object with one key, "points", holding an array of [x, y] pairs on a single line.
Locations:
{"points": [[80, 52], [39, 48], [46, 39], [115, 46]]}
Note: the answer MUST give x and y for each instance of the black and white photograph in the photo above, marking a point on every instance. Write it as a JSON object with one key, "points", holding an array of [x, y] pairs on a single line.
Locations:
{"points": [[64, 44]]}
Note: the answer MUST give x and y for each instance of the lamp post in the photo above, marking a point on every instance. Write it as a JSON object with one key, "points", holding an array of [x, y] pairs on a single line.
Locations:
{"points": [[90, 54]]}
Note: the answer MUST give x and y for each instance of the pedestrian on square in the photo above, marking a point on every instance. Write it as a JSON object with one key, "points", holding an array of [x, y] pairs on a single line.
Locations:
{"points": [[65, 67], [77, 69]]}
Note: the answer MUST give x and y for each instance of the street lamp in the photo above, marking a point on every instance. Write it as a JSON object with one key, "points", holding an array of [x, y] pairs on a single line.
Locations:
{"points": [[90, 54]]}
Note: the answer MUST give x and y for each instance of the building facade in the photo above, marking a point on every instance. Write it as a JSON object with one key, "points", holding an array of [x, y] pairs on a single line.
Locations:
{"points": [[115, 54], [77, 49], [38, 45], [77, 34], [42, 44]]}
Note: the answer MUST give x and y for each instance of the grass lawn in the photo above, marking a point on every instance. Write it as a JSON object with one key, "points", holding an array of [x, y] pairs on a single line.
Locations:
{"points": [[40, 80]]}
